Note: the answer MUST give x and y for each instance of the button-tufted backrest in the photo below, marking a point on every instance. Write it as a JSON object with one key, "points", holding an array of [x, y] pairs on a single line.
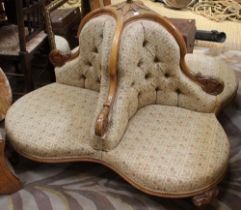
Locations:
{"points": [[149, 65], [149, 73], [94, 46]]}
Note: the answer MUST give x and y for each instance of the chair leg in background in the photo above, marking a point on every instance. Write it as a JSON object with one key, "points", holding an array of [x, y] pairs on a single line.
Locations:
{"points": [[26, 65], [9, 183], [202, 200]]}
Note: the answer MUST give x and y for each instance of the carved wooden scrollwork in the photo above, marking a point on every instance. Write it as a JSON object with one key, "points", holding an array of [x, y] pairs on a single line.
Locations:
{"points": [[210, 85], [124, 13], [102, 121], [59, 58], [103, 118]]}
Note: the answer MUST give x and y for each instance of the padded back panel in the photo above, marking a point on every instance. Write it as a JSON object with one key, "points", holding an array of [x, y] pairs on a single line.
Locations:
{"points": [[149, 73], [149, 66], [95, 41]]}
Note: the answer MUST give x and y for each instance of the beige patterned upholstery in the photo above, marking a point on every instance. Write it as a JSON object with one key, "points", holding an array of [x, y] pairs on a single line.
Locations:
{"points": [[149, 73], [171, 150], [85, 71], [162, 136], [53, 122]]}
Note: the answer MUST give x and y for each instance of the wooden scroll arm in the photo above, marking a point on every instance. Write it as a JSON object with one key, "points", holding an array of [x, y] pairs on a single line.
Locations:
{"points": [[210, 85], [103, 118], [102, 121], [59, 58]]}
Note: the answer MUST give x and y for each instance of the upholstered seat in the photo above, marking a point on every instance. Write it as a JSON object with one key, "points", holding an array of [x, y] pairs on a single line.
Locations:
{"points": [[171, 151], [52, 123]]}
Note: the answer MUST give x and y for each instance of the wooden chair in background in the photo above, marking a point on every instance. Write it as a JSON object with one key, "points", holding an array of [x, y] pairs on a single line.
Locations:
{"points": [[20, 42]]}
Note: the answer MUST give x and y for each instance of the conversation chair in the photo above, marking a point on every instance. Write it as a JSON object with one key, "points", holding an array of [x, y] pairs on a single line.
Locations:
{"points": [[128, 99]]}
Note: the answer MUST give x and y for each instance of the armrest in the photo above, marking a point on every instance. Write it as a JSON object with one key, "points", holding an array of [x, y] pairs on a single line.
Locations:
{"points": [[67, 67], [102, 120], [210, 85], [113, 119], [59, 58]]}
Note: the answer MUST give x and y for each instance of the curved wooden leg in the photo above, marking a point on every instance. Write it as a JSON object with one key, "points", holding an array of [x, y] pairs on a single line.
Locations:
{"points": [[202, 200], [9, 183]]}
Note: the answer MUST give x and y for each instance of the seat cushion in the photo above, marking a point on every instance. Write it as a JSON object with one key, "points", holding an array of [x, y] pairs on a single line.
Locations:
{"points": [[171, 151], [217, 68], [53, 122]]}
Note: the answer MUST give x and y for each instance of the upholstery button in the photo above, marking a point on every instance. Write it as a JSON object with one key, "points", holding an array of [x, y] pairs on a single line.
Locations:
{"points": [[140, 63], [157, 89], [132, 84], [156, 59], [178, 91], [82, 77], [166, 75], [88, 63], [144, 43], [95, 50], [147, 75]]}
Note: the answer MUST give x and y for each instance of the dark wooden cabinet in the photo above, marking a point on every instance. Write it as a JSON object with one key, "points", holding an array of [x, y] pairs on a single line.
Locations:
{"points": [[188, 29], [65, 23]]}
